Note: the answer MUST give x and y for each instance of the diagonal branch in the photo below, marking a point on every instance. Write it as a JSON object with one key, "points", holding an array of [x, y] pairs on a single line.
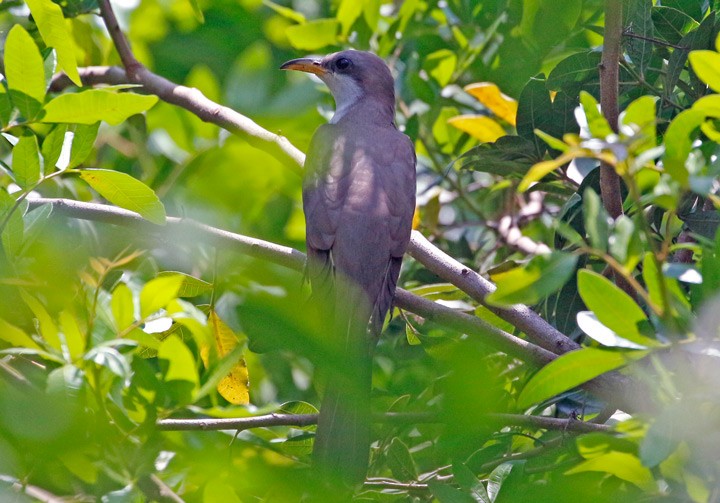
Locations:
{"points": [[613, 387]]}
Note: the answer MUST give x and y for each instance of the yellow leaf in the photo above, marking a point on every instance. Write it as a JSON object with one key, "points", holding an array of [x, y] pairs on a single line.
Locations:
{"points": [[234, 387], [489, 95], [481, 127]]}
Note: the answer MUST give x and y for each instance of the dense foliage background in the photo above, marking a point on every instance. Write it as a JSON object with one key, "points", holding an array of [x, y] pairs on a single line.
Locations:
{"points": [[110, 327]]}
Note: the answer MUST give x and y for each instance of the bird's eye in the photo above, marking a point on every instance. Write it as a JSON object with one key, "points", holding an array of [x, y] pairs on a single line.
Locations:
{"points": [[343, 64]]}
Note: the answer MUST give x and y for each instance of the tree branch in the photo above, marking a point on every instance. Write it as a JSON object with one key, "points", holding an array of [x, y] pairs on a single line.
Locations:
{"points": [[612, 387], [269, 420], [609, 88]]}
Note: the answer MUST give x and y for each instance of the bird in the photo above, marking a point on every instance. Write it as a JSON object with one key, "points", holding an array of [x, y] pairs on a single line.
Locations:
{"points": [[359, 200]]}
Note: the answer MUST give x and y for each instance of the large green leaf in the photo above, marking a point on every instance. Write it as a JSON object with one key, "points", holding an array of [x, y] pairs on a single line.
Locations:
{"points": [[706, 65], [638, 21], [672, 24], [91, 106], [181, 364], [623, 465], [82, 143], [574, 71], [678, 143], [614, 308], [313, 35], [54, 31], [24, 71], [571, 370], [535, 111], [26, 161], [158, 292], [127, 192], [529, 284]]}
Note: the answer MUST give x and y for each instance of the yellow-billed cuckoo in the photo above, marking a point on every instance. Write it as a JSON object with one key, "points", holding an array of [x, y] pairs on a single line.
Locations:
{"points": [[359, 199]]}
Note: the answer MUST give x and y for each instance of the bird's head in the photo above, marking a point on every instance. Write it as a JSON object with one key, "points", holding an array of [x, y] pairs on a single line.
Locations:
{"points": [[351, 76]]}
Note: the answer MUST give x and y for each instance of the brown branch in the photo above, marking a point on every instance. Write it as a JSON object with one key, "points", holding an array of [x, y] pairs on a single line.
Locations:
{"points": [[612, 387], [300, 420], [122, 45], [609, 88]]}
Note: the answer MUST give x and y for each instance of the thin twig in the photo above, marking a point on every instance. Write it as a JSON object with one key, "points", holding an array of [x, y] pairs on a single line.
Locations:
{"points": [[653, 40]]}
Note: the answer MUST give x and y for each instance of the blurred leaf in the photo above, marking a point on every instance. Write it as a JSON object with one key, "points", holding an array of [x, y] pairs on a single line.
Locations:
{"points": [[597, 124], [614, 308], [543, 168], [621, 464], [6, 106], [597, 220], [197, 11], [593, 328], [180, 361], [24, 72], [480, 127], [641, 113], [348, 12], [697, 38], [543, 275], [498, 103], [15, 336], [570, 370], [125, 191], [50, 22], [678, 143], [400, 461], [157, 293], [74, 337], [467, 480], [191, 286], [48, 328], [122, 306], [313, 35], [26, 161], [663, 436], [234, 385], [110, 358], [706, 65], [440, 65], [289, 13], [496, 479], [448, 494], [93, 105]]}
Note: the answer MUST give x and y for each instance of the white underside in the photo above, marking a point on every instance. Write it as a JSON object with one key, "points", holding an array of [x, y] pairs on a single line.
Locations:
{"points": [[346, 92]]}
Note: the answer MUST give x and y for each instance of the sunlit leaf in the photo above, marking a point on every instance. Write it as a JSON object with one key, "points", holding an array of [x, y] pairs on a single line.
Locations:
{"points": [[313, 35], [52, 147], [122, 306], [52, 26], [181, 364], [82, 143], [234, 386], [158, 292], [440, 65], [191, 286], [24, 72], [26, 161], [93, 105], [74, 337], [706, 65], [481, 127], [48, 328], [623, 465], [571, 370], [125, 191], [540, 277], [597, 124], [15, 336], [494, 100]]}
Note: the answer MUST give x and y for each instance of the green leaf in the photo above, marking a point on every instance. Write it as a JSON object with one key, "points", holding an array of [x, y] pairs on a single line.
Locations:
{"points": [[26, 161], [706, 64], [496, 479], [440, 65], [638, 21], [508, 155], [445, 493], [678, 143], [313, 35], [641, 113], [158, 292], [35, 223], [348, 12], [671, 24], [197, 11], [535, 111], [12, 234], [597, 124], [122, 307], [663, 436], [400, 461], [24, 72], [467, 480], [125, 191], [621, 464], [625, 244], [540, 277], [54, 30], [571, 370], [74, 337], [597, 220], [6, 106], [15, 336], [93, 105], [82, 143], [614, 308], [48, 328], [52, 147], [572, 72], [698, 38], [552, 141], [191, 286], [543, 168], [181, 364]]}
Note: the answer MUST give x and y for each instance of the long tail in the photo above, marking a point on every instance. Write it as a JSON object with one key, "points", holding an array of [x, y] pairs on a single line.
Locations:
{"points": [[342, 444]]}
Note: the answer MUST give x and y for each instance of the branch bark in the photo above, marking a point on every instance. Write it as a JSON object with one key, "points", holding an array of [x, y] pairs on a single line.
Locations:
{"points": [[300, 420], [613, 387], [609, 88]]}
